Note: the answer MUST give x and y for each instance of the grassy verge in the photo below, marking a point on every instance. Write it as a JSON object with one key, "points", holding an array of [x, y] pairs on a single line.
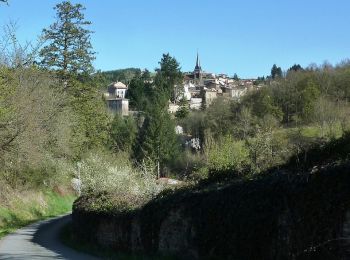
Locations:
{"points": [[32, 206]]}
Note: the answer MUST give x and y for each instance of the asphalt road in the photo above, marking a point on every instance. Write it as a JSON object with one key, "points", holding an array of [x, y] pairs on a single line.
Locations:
{"points": [[39, 241]]}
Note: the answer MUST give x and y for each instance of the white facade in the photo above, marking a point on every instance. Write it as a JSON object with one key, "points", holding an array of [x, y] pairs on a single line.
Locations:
{"points": [[117, 90]]}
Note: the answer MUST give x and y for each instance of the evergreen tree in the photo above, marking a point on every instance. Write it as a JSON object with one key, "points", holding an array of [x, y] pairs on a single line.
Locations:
{"points": [[157, 142], [295, 67], [91, 124], [276, 72], [68, 48], [183, 109], [169, 77], [138, 93], [123, 133]]}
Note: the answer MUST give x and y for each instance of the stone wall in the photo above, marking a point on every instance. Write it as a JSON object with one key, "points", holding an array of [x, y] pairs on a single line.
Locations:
{"points": [[124, 233], [274, 217]]}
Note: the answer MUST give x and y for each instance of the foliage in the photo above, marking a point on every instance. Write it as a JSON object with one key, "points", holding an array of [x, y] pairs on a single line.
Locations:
{"points": [[322, 153], [103, 173], [68, 47], [91, 125], [262, 103], [44, 125], [24, 207], [139, 92], [228, 155], [194, 124], [276, 72], [157, 142], [309, 94], [245, 123], [328, 115], [168, 76], [295, 67], [34, 123], [123, 133], [183, 110], [123, 75], [219, 117]]}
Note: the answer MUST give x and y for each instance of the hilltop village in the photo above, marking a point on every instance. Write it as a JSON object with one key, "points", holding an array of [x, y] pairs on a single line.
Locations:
{"points": [[199, 88]]}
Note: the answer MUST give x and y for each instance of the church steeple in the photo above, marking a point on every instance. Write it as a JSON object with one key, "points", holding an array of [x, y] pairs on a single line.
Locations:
{"points": [[198, 64], [198, 70]]}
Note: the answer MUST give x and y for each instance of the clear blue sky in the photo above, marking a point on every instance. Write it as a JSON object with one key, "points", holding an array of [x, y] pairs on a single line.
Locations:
{"points": [[244, 36]]}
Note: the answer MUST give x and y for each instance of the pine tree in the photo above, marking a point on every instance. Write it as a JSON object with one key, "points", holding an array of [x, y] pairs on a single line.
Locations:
{"points": [[183, 110], [276, 72], [91, 124], [169, 77], [123, 133], [157, 140], [68, 48]]}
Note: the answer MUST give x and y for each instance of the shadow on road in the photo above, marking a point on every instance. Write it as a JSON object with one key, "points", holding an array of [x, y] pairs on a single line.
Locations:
{"points": [[39, 241]]}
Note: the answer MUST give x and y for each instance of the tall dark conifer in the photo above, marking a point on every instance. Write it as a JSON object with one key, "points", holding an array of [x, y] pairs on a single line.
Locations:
{"points": [[157, 141], [68, 48]]}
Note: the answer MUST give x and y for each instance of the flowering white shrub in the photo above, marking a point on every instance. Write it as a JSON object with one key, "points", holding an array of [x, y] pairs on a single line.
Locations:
{"points": [[115, 174]]}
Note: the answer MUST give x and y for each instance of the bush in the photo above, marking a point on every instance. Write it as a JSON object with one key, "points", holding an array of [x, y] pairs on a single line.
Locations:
{"points": [[103, 172], [228, 155]]}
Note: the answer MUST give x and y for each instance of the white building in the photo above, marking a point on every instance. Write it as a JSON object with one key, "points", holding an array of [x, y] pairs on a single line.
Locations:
{"points": [[117, 90], [116, 100]]}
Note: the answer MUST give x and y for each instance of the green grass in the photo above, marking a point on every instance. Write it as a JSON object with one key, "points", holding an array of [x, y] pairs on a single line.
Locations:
{"points": [[39, 206], [313, 131]]}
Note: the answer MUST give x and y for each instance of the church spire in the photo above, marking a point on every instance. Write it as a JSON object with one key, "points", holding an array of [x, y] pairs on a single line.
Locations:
{"points": [[198, 63], [198, 70]]}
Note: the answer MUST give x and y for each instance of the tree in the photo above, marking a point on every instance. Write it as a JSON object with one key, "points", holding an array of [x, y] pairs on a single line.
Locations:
{"points": [[235, 77], [183, 110], [219, 117], [91, 125], [263, 102], [295, 67], [9, 129], [276, 72], [68, 48], [169, 77], [138, 93], [308, 95], [123, 133], [157, 142], [227, 155], [327, 114], [245, 122]]}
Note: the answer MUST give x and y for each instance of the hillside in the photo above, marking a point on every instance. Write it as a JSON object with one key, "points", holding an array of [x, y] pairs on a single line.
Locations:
{"points": [[124, 75]]}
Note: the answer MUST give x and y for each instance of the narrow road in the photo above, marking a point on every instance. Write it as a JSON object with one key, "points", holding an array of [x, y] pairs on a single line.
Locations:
{"points": [[39, 241]]}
